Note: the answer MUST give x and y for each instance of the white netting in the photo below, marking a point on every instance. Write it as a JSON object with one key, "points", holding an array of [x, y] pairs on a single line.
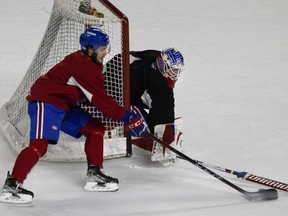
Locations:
{"points": [[61, 38]]}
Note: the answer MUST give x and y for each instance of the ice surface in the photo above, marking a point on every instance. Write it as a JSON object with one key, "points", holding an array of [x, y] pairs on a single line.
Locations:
{"points": [[233, 98]]}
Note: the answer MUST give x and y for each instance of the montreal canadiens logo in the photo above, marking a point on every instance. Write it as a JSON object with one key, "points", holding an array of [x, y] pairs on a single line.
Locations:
{"points": [[54, 127]]}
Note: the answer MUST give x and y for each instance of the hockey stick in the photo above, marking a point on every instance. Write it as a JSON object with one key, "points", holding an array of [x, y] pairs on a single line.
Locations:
{"points": [[260, 195], [250, 177]]}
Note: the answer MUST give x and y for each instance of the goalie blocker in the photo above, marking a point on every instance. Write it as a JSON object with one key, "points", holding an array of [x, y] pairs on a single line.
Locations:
{"points": [[170, 133]]}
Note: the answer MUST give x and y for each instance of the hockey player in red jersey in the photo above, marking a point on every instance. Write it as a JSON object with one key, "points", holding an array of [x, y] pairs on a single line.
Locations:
{"points": [[53, 108], [153, 75]]}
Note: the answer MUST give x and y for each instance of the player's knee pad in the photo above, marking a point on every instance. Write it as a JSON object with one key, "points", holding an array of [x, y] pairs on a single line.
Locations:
{"points": [[94, 127], [39, 146]]}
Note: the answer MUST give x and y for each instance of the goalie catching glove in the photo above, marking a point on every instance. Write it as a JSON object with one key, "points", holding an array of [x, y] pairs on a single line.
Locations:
{"points": [[135, 122]]}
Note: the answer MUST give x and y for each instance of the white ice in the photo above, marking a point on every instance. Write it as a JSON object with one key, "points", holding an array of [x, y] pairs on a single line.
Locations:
{"points": [[233, 97]]}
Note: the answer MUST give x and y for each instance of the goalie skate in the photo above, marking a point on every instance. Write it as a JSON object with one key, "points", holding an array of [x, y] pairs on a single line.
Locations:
{"points": [[13, 192], [98, 181]]}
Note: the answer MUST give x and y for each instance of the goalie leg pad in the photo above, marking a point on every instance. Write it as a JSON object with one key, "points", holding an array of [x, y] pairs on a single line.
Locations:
{"points": [[171, 134]]}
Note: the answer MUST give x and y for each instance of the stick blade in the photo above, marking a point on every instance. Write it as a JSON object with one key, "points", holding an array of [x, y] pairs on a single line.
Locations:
{"points": [[262, 195]]}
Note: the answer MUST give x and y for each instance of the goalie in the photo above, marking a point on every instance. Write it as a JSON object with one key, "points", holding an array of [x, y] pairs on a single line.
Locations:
{"points": [[153, 75]]}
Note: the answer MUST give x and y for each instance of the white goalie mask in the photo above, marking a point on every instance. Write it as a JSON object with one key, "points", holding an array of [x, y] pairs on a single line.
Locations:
{"points": [[170, 63]]}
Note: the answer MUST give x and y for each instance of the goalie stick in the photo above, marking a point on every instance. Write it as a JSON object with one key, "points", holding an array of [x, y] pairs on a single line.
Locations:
{"points": [[250, 177], [260, 195]]}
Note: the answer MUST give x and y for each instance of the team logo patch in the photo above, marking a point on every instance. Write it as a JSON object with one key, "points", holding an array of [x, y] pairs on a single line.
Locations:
{"points": [[54, 127]]}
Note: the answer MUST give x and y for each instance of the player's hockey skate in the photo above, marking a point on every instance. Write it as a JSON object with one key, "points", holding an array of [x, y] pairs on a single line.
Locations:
{"points": [[96, 180], [13, 192]]}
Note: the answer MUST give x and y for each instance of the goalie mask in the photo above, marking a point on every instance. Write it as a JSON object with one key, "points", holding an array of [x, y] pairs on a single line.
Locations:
{"points": [[94, 37], [170, 63]]}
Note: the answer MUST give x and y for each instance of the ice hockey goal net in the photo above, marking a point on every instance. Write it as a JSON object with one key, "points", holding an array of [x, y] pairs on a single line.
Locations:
{"points": [[61, 38]]}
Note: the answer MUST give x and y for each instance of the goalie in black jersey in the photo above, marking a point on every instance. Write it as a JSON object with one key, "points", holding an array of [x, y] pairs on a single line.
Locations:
{"points": [[153, 75]]}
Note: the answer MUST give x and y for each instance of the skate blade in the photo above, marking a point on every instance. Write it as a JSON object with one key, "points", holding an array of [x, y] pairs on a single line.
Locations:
{"points": [[108, 187], [6, 197]]}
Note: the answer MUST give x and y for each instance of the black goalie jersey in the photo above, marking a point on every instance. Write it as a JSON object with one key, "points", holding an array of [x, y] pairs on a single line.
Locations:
{"points": [[148, 87]]}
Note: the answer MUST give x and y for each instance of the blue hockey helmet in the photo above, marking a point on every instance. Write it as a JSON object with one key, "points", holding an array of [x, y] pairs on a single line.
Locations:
{"points": [[170, 63], [93, 37]]}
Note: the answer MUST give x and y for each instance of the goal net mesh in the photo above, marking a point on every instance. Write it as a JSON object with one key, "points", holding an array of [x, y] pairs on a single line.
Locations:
{"points": [[61, 38]]}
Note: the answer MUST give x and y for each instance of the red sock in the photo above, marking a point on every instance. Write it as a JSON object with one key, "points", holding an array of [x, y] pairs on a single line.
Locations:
{"points": [[94, 148], [94, 132], [27, 158]]}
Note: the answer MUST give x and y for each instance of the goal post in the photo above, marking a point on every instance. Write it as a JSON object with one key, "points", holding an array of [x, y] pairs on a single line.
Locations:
{"points": [[61, 38]]}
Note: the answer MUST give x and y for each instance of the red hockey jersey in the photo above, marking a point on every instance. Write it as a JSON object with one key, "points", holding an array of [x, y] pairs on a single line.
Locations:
{"points": [[71, 80]]}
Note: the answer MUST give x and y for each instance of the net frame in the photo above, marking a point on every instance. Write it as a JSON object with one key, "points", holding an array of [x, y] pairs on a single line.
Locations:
{"points": [[61, 38]]}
